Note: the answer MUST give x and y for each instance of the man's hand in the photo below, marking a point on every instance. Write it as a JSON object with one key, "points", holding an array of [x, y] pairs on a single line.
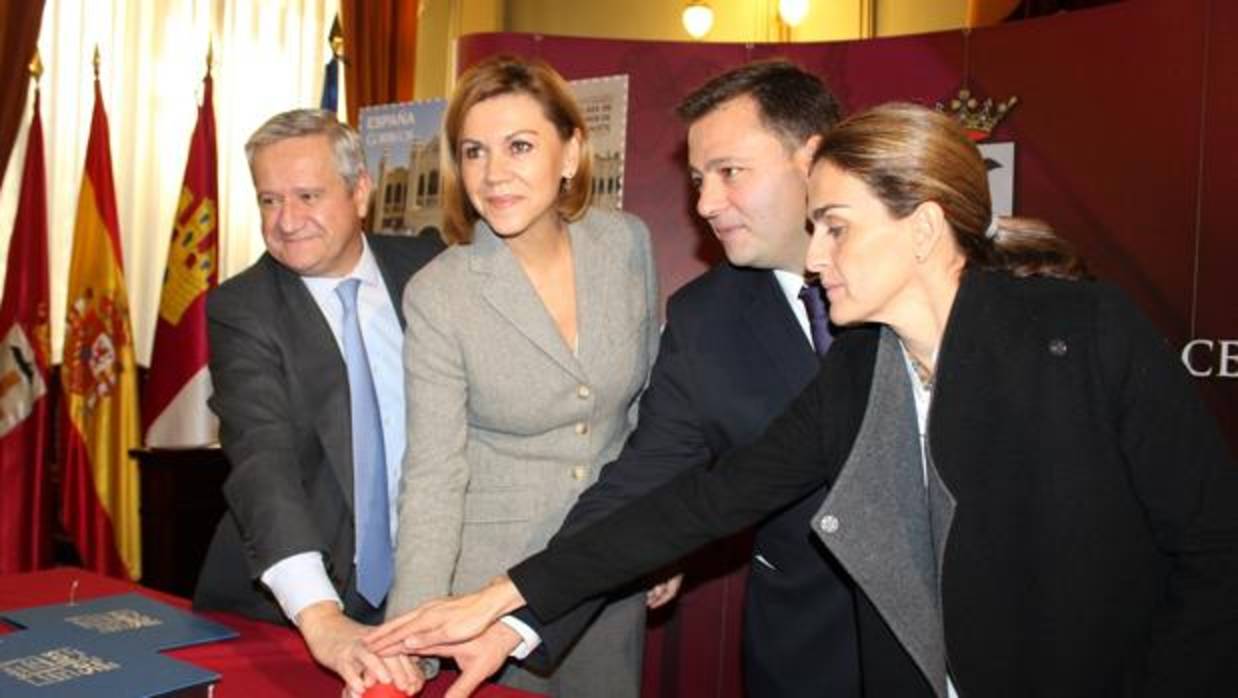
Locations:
{"points": [[661, 594], [408, 665], [478, 658], [336, 642], [446, 621]]}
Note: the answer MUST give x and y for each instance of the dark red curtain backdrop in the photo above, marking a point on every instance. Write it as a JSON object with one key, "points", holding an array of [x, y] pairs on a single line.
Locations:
{"points": [[380, 52], [19, 34], [1216, 279], [1125, 140]]}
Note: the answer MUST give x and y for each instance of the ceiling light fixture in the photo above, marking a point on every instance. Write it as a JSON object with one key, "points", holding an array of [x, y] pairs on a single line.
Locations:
{"points": [[792, 12], [698, 18]]}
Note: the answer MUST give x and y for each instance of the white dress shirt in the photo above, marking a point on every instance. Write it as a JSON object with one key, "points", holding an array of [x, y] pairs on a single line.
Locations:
{"points": [[300, 580], [791, 283]]}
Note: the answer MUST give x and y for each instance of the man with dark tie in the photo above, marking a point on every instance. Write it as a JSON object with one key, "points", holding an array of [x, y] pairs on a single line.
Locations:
{"points": [[740, 342], [306, 363]]}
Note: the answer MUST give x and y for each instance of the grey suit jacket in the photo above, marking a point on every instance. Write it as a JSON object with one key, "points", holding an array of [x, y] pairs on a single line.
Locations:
{"points": [[506, 426], [281, 393]]}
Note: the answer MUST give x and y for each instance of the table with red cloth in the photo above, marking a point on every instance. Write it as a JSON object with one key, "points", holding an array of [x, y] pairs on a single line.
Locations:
{"points": [[264, 660]]}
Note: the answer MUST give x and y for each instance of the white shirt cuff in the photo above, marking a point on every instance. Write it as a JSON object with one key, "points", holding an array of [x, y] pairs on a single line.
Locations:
{"points": [[529, 640], [299, 581]]}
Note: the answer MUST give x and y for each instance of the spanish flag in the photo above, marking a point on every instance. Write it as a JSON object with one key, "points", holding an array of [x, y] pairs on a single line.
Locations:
{"points": [[99, 423], [174, 408], [25, 507]]}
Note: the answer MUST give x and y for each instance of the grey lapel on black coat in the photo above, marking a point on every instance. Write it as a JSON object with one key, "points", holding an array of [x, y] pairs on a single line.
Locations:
{"points": [[882, 523]]}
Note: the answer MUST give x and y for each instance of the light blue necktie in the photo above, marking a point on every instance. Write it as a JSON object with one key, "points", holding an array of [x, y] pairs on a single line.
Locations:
{"points": [[369, 461]]}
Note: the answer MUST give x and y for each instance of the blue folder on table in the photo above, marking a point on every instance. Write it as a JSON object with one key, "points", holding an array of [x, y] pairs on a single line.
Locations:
{"points": [[104, 647]]}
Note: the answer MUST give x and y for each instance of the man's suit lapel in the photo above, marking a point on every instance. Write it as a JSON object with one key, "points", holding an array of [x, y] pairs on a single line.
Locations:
{"points": [[884, 526], [508, 290], [319, 367], [773, 324], [392, 276]]}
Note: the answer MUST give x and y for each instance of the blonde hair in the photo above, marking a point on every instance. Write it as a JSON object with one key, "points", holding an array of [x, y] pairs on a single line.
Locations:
{"points": [[503, 75]]}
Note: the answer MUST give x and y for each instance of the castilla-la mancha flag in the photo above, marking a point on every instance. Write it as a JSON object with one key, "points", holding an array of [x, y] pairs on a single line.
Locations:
{"points": [[25, 512], [174, 411], [100, 412]]}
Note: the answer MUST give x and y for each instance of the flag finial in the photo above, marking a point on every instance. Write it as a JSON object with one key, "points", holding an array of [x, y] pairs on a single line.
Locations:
{"points": [[336, 36], [36, 67], [210, 56], [97, 61]]}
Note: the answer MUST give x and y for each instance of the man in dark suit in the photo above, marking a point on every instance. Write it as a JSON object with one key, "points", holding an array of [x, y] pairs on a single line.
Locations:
{"points": [[306, 365], [737, 347]]}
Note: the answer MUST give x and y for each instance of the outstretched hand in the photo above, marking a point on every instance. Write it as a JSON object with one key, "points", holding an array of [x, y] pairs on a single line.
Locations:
{"points": [[335, 641], [478, 658], [446, 621]]}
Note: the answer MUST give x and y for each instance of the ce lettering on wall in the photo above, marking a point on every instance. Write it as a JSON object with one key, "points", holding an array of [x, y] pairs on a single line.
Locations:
{"points": [[1211, 358]]}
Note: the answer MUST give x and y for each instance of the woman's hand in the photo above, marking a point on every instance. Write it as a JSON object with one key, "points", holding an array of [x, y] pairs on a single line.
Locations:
{"points": [[661, 594], [446, 621]]}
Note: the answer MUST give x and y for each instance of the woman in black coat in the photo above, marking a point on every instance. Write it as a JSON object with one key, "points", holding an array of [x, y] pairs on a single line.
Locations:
{"points": [[1024, 484]]}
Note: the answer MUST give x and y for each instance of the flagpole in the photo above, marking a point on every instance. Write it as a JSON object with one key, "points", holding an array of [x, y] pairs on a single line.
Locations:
{"points": [[99, 418]]}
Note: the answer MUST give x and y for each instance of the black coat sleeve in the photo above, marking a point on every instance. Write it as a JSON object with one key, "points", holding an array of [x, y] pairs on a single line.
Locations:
{"points": [[1187, 482], [669, 439], [796, 455]]}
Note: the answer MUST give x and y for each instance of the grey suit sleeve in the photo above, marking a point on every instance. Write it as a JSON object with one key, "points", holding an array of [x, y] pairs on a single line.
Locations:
{"points": [[436, 472], [251, 398]]}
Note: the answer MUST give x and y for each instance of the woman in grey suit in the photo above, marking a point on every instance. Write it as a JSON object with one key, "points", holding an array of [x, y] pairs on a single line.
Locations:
{"points": [[528, 343]]}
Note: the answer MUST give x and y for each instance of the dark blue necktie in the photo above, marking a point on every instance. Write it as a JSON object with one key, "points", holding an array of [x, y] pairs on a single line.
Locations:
{"points": [[369, 461], [818, 317]]}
